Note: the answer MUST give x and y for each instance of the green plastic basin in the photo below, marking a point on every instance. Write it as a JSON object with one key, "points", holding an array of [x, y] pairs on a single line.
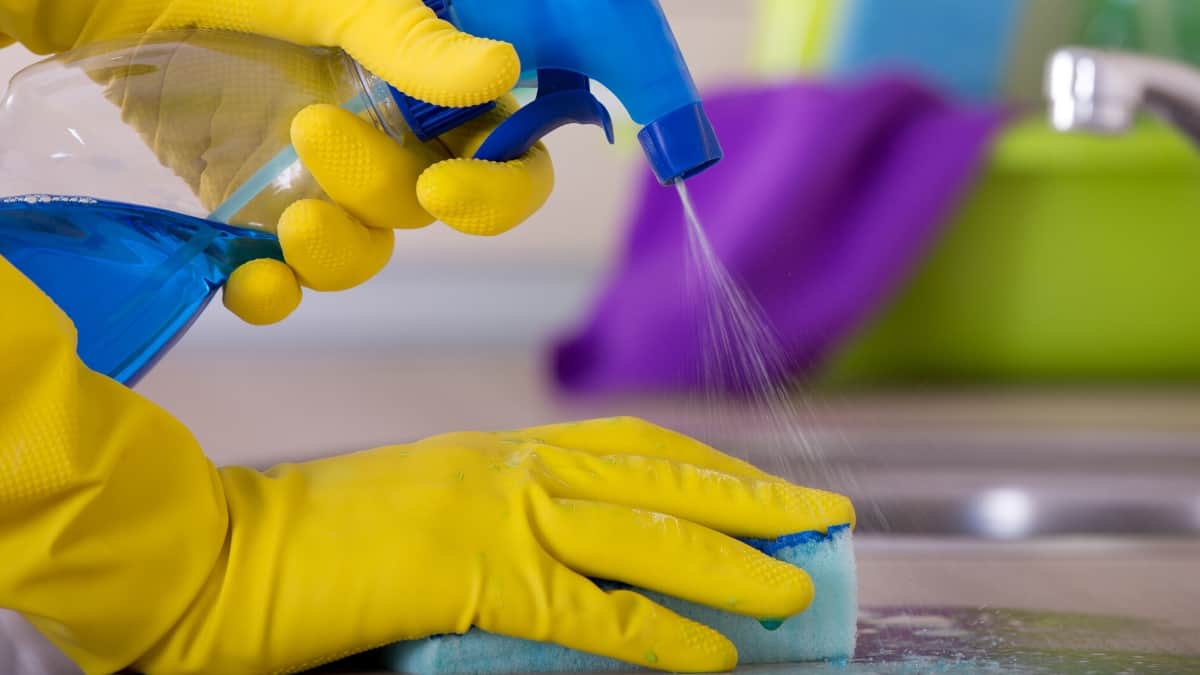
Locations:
{"points": [[1074, 259]]}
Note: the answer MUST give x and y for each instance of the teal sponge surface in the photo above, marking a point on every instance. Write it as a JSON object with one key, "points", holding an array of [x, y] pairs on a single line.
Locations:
{"points": [[826, 631]]}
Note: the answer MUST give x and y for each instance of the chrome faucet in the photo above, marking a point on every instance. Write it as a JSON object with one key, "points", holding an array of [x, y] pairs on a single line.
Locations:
{"points": [[1102, 91]]}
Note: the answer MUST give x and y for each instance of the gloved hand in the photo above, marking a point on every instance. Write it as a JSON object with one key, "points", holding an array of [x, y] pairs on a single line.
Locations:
{"points": [[127, 548], [338, 243]]}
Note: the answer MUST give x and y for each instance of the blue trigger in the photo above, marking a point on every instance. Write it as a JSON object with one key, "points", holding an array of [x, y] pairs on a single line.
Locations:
{"points": [[563, 98]]}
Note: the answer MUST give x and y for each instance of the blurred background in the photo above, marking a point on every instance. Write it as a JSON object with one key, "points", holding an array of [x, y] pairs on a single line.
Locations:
{"points": [[1012, 401], [1060, 263]]}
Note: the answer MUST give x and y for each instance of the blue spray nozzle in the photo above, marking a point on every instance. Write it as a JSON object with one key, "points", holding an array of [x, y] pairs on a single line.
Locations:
{"points": [[626, 45], [681, 144]]}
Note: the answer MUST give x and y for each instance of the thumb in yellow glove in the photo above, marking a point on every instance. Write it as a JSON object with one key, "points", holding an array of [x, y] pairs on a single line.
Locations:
{"points": [[368, 183], [128, 549]]}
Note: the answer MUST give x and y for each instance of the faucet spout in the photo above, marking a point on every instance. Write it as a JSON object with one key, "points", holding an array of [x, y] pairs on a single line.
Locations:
{"points": [[1102, 91]]}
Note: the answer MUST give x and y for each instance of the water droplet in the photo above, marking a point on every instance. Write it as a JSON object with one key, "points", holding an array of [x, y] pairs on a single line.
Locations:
{"points": [[771, 624], [651, 657]]}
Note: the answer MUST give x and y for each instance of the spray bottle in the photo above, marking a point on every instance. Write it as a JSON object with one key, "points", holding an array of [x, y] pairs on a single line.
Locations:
{"points": [[133, 254]]}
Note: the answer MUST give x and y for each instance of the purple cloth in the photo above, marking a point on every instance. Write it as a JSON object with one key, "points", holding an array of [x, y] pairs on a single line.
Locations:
{"points": [[827, 198]]}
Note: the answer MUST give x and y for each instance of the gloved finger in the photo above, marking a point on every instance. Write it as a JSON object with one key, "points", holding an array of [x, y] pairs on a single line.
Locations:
{"points": [[328, 248], [620, 624], [487, 198], [405, 43], [633, 436], [361, 168], [743, 507], [401, 41], [262, 292], [671, 556]]}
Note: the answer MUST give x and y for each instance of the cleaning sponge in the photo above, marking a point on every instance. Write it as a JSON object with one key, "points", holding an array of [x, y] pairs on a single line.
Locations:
{"points": [[826, 631]]}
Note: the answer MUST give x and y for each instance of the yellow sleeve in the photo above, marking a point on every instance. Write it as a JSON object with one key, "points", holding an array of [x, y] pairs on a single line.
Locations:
{"points": [[94, 484]]}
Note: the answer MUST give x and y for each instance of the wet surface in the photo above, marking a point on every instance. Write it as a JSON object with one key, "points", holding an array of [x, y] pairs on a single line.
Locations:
{"points": [[945, 640], [1011, 641]]}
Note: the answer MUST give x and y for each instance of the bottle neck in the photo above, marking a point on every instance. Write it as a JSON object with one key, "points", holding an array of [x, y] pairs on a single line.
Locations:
{"points": [[378, 102]]}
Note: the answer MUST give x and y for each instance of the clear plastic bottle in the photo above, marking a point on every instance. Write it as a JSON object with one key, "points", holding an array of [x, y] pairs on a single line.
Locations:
{"points": [[195, 122], [135, 175]]}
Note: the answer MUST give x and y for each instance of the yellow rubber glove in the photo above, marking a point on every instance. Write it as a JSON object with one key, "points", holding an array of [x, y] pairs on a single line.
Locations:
{"points": [[127, 548], [336, 243]]}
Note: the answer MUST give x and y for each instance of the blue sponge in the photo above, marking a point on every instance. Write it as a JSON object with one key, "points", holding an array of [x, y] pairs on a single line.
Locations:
{"points": [[826, 631]]}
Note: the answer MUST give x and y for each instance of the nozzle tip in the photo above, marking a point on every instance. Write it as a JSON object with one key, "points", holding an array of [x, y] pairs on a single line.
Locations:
{"points": [[681, 144]]}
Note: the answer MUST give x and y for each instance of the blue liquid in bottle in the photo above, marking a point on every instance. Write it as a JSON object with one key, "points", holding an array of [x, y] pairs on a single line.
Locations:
{"points": [[132, 278]]}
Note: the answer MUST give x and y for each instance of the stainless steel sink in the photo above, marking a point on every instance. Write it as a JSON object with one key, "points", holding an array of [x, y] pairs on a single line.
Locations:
{"points": [[1004, 485]]}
